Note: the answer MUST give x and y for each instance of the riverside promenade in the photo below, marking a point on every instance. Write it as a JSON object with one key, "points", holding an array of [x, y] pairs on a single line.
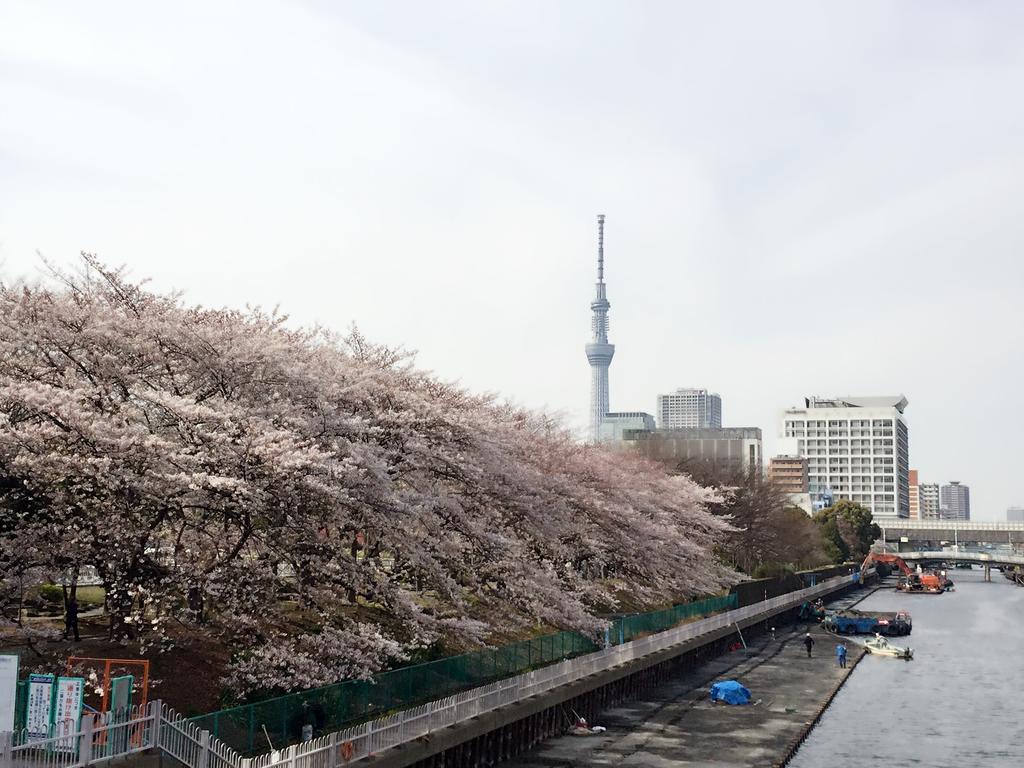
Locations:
{"points": [[677, 725]]}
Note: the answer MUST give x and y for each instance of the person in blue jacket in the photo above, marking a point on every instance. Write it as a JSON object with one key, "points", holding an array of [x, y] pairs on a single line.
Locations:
{"points": [[841, 655]]}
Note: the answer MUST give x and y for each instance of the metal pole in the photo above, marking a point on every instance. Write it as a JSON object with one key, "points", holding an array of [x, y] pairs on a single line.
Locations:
{"points": [[741, 636]]}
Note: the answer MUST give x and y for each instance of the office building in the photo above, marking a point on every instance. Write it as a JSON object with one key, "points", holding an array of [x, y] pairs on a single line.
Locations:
{"points": [[856, 448], [955, 501], [687, 408], [915, 496], [615, 424], [1015, 514], [729, 449], [599, 351], [928, 495]]}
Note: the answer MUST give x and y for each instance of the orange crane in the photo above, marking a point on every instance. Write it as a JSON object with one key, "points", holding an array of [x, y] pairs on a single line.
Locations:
{"points": [[927, 581]]}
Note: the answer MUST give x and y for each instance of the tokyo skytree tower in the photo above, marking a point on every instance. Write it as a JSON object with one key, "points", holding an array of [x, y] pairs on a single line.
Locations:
{"points": [[599, 351]]}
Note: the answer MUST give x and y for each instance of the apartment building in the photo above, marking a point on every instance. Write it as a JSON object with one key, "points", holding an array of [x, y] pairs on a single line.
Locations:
{"points": [[928, 495]]}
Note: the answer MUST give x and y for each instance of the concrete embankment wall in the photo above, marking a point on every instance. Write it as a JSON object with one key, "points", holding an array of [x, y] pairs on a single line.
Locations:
{"points": [[510, 731]]}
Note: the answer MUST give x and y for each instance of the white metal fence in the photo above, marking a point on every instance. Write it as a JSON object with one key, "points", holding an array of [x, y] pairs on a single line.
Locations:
{"points": [[95, 739], [160, 727]]}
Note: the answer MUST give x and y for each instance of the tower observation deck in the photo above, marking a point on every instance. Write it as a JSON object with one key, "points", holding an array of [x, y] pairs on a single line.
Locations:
{"points": [[599, 351]]}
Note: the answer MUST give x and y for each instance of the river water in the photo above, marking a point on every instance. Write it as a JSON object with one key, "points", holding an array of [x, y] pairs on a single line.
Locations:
{"points": [[957, 703]]}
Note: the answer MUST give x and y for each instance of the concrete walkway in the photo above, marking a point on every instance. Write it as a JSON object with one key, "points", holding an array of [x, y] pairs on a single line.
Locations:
{"points": [[678, 726]]}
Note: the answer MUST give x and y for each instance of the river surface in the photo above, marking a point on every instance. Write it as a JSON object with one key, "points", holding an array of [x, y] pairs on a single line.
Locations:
{"points": [[960, 701]]}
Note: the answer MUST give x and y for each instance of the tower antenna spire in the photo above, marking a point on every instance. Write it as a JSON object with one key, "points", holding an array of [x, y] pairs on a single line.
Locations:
{"points": [[599, 351]]}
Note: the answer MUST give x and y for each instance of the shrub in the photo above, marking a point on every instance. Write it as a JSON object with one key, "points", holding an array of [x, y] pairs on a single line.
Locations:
{"points": [[52, 594]]}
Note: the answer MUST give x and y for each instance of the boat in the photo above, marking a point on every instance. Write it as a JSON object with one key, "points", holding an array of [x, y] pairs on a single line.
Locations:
{"points": [[879, 646], [850, 621]]}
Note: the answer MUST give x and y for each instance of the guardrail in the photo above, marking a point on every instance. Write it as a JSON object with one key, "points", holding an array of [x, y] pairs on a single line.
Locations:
{"points": [[102, 738]]}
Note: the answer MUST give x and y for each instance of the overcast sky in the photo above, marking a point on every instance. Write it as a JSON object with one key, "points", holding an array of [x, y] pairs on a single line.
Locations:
{"points": [[802, 198]]}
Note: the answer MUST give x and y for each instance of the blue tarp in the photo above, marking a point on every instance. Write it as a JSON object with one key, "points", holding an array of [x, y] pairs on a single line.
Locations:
{"points": [[730, 692]]}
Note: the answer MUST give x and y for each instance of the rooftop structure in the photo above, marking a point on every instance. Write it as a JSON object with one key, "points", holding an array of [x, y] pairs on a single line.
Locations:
{"points": [[615, 425], [599, 351], [899, 402]]}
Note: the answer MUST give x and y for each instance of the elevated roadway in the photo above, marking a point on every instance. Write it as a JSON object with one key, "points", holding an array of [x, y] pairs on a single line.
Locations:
{"points": [[947, 556], [952, 531]]}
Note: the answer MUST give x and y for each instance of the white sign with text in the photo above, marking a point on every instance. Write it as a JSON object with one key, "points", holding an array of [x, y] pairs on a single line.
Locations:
{"points": [[39, 713], [68, 712], [8, 690]]}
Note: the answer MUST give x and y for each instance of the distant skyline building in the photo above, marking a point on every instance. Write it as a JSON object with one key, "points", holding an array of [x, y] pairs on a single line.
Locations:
{"points": [[928, 494], [915, 496], [614, 425], [1015, 514], [857, 448], [599, 351], [688, 407], [955, 501], [728, 448]]}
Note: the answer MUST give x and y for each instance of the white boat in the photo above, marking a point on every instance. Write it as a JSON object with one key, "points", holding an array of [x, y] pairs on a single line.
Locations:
{"points": [[882, 647]]}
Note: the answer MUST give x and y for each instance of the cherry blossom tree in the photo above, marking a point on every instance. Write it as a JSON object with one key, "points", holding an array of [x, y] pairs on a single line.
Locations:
{"points": [[315, 499]]}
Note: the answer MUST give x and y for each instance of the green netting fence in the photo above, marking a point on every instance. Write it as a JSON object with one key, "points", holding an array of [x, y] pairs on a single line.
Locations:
{"points": [[342, 704]]}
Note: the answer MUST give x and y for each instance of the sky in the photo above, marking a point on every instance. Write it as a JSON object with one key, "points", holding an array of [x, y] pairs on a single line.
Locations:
{"points": [[801, 198]]}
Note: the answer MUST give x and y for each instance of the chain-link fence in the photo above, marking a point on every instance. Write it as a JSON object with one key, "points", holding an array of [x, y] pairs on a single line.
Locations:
{"points": [[333, 707]]}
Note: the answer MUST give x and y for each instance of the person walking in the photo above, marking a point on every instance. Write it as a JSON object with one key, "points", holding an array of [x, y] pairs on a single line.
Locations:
{"points": [[71, 619], [808, 643], [841, 655]]}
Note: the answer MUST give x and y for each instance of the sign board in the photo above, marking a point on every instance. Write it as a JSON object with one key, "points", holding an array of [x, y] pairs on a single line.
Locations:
{"points": [[39, 712], [68, 712], [8, 690]]}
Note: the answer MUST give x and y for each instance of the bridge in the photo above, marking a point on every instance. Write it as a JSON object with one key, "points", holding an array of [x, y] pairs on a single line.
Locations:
{"points": [[899, 531]]}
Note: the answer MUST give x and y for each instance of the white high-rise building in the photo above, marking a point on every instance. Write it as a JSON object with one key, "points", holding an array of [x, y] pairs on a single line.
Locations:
{"points": [[689, 408], [857, 448]]}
